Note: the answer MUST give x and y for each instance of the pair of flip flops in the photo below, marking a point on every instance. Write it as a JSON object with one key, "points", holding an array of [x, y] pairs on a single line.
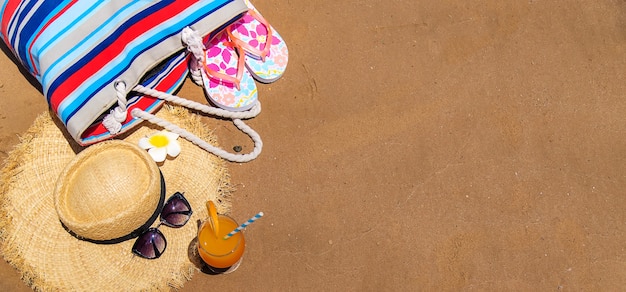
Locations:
{"points": [[245, 50]]}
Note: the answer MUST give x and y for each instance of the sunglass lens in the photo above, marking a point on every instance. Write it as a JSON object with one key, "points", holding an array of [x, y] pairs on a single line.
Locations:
{"points": [[150, 244], [176, 211]]}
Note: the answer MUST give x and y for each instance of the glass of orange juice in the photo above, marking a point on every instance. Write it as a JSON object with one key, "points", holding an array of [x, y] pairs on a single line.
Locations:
{"points": [[218, 253]]}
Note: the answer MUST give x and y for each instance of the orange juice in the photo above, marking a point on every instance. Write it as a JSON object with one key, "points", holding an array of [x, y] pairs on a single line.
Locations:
{"points": [[217, 251]]}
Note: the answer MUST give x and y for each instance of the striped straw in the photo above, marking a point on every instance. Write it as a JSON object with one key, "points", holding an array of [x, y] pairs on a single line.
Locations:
{"points": [[244, 225]]}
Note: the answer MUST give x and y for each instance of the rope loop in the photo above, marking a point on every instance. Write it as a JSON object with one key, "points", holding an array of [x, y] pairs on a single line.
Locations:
{"points": [[258, 143], [113, 121], [194, 44]]}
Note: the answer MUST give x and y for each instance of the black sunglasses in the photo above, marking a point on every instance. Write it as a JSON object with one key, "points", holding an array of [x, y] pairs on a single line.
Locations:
{"points": [[176, 212]]}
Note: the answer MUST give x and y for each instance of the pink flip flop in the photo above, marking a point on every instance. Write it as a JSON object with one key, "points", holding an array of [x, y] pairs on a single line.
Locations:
{"points": [[227, 82], [266, 51]]}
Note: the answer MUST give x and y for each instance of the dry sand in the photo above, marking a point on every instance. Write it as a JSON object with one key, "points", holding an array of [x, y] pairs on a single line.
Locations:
{"points": [[439, 145]]}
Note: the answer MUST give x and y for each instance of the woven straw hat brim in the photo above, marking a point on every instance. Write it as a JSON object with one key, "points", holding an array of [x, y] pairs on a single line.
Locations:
{"points": [[49, 258]]}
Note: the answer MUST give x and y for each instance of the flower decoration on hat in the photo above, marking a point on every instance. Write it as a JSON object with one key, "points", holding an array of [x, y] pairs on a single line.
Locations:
{"points": [[160, 145]]}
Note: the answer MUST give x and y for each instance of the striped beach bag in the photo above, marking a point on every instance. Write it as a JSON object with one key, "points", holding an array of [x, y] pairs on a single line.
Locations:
{"points": [[106, 66]]}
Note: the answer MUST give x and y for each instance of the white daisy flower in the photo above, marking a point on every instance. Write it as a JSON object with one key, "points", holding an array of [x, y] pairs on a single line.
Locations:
{"points": [[160, 145]]}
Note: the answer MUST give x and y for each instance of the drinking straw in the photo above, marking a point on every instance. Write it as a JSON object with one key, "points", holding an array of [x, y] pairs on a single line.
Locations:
{"points": [[244, 225]]}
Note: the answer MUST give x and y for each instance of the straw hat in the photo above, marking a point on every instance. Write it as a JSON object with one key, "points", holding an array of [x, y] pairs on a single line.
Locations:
{"points": [[34, 241], [109, 192]]}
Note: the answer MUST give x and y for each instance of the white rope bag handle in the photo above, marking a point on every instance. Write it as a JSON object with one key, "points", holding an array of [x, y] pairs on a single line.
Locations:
{"points": [[112, 122]]}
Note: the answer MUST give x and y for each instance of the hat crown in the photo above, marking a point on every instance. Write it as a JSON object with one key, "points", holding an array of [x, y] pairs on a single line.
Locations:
{"points": [[102, 189], [108, 191]]}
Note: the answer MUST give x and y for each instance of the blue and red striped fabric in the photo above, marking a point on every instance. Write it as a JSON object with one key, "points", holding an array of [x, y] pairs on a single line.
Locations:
{"points": [[77, 50]]}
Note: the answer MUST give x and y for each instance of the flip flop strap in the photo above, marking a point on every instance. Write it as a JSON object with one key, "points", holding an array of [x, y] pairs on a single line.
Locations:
{"points": [[247, 47], [225, 77]]}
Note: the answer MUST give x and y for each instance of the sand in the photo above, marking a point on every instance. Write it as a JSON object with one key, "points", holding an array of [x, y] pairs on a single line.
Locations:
{"points": [[432, 145]]}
